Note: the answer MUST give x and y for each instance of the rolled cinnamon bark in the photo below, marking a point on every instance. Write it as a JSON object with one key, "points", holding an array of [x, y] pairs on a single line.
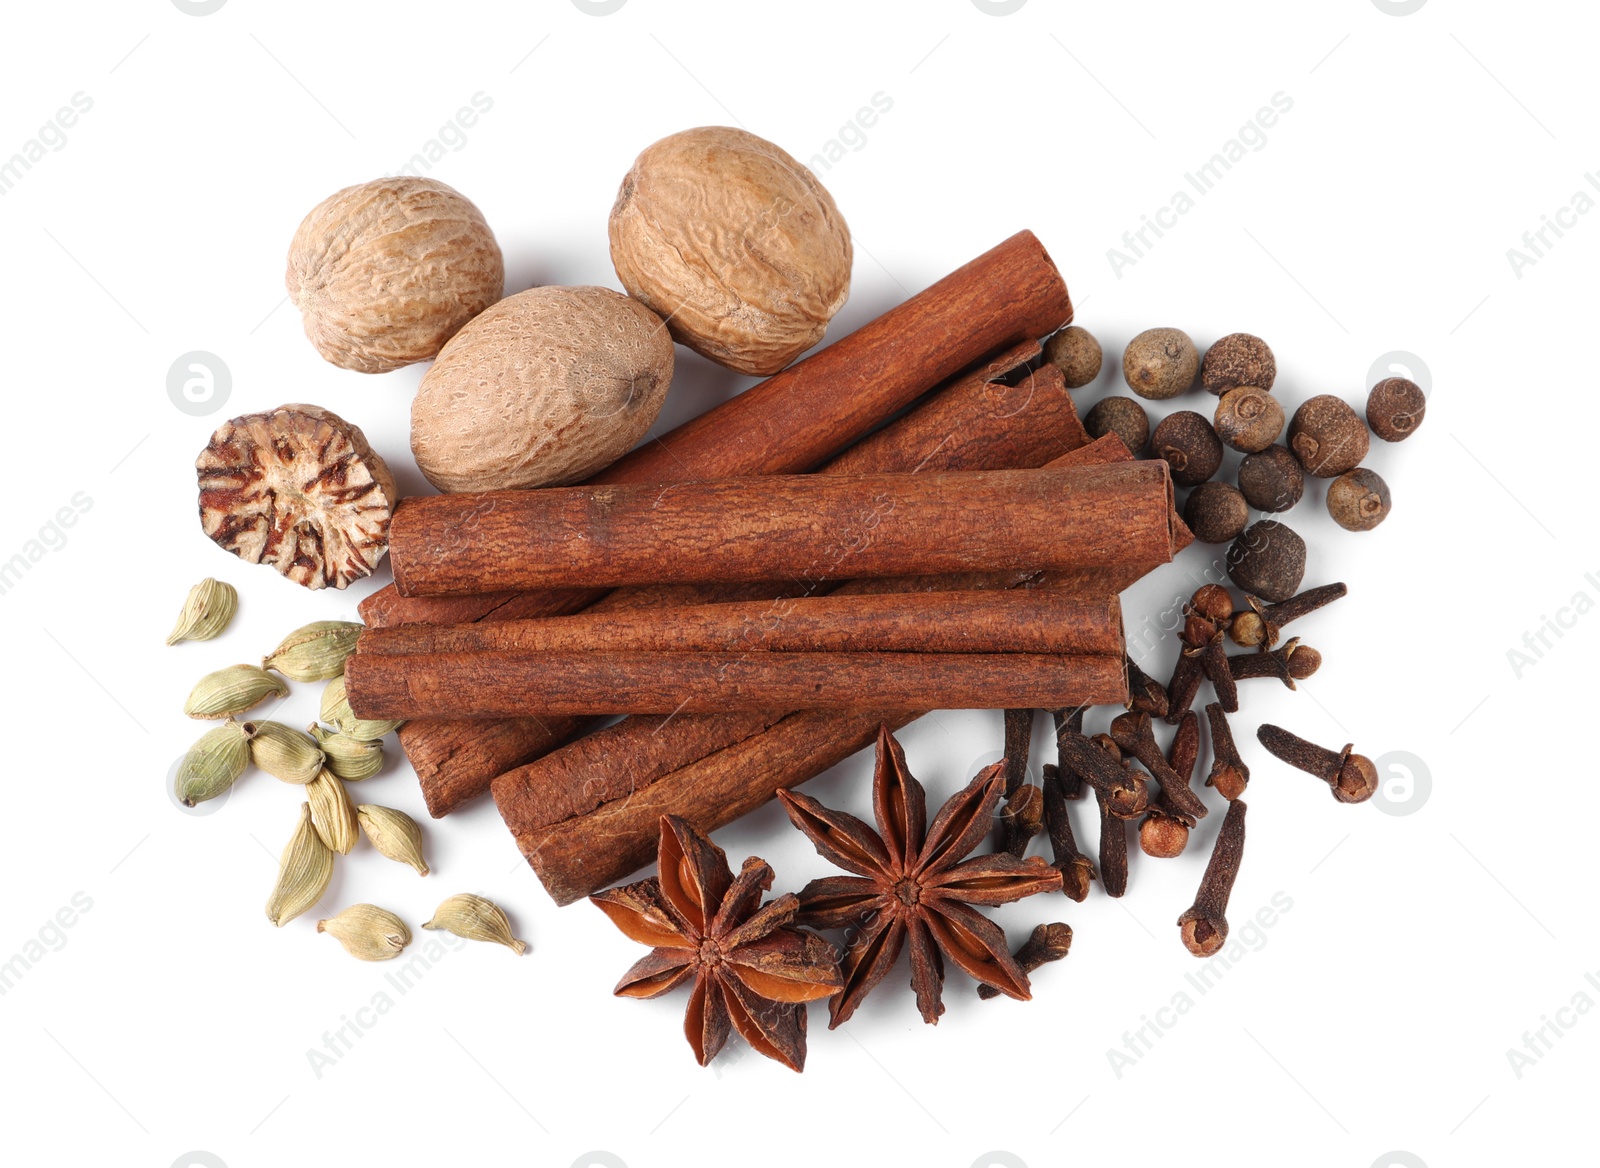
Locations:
{"points": [[975, 422], [913, 622], [816, 527], [1011, 295]]}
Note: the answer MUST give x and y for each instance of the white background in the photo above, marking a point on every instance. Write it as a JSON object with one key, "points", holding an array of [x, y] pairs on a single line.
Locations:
{"points": [[1369, 1025]]}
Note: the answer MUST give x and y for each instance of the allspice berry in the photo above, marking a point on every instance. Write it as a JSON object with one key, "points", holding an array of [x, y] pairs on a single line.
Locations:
{"points": [[1271, 479], [1395, 407], [1238, 359], [1076, 353], [1121, 416], [1190, 446], [1216, 512], [1160, 363], [1358, 500], [1327, 436], [1248, 419], [1268, 560]]}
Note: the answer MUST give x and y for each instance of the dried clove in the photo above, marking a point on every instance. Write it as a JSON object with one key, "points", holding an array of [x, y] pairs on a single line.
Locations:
{"points": [[1070, 721], [1113, 848], [1187, 674], [1229, 775], [1205, 924], [1351, 777], [1134, 736], [1164, 833], [1022, 819], [1045, 944], [1128, 794], [1291, 663], [1145, 695], [1019, 737], [1262, 623], [1075, 868]]}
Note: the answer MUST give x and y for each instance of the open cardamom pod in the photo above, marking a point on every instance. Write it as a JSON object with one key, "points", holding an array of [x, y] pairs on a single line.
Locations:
{"points": [[477, 919], [206, 612], [348, 758], [315, 652], [332, 813], [367, 932], [304, 871], [394, 834], [233, 690], [214, 763], [285, 753], [336, 711]]}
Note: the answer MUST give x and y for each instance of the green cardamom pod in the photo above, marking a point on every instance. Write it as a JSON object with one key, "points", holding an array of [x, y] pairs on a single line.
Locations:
{"points": [[304, 870], [315, 652], [367, 932], [336, 711], [348, 758], [232, 691], [394, 834], [477, 919], [285, 753], [332, 813], [206, 612], [214, 763]]}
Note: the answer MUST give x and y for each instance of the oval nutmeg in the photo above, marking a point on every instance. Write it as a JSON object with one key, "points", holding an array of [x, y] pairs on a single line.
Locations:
{"points": [[544, 388], [735, 244]]}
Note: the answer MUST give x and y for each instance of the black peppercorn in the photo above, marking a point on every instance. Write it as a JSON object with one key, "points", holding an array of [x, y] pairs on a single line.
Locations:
{"points": [[1327, 436], [1238, 359], [1160, 363], [1358, 500], [1248, 419], [1395, 408], [1190, 446], [1271, 479], [1076, 353], [1268, 560], [1216, 512], [1121, 416]]}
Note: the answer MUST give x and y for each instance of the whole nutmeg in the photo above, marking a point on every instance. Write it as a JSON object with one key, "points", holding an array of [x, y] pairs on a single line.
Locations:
{"points": [[735, 244], [546, 387], [385, 272], [1248, 419], [1395, 407], [1238, 359], [1160, 363], [1327, 436], [1121, 416], [1268, 560], [1272, 480], [1076, 353], [1358, 500], [1216, 512], [1190, 446]]}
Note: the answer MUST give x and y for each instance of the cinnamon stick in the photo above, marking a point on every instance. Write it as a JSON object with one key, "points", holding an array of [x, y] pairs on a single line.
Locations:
{"points": [[1010, 295], [916, 622], [973, 422]]}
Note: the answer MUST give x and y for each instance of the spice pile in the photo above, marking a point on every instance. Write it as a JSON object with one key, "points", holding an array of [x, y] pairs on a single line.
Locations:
{"points": [[910, 518]]}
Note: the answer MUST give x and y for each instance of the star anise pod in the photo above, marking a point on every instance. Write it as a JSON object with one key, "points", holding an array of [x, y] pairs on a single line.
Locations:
{"points": [[913, 881], [751, 969]]}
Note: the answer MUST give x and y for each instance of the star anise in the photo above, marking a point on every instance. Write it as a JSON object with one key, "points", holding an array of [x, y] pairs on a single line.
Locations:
{"points": [[913, 882], [750, 967]]}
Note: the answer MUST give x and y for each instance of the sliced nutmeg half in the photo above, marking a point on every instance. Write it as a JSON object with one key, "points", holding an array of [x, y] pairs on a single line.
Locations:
{"points": [[299, 488]]}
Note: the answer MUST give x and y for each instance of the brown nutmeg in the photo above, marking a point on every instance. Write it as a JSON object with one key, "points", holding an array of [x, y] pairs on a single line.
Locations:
{"points": [[1268, 560], [1238, 359], [1248, 419], [734, 244], [1160, 363], [1395, 407], [1190, 446], [1327, 436], [1272, 480], [1358, 500], [1121, 416], [1216, 512], [1076, 353]]}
